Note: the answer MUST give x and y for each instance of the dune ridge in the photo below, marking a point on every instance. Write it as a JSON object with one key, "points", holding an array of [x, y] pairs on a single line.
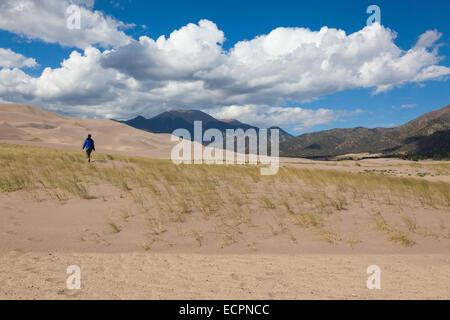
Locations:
{"points": [[23, 124]]}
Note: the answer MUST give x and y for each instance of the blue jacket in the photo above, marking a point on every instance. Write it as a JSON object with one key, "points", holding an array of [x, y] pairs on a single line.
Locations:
{"points": [[89, 144]]}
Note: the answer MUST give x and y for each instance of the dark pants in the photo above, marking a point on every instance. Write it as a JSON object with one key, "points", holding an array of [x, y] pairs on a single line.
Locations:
{"points": [[88, 153]]}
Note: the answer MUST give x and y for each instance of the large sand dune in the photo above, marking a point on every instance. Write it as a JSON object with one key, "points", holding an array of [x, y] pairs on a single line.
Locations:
{"points": [[26, 124]]}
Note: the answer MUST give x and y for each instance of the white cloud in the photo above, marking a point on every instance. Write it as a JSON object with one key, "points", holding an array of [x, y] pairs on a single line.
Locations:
{"points": [[405, 106], [10, 59], [252, 81], [357, 111], [265, 116], [46, 20], [287, 64], [179, 57], [428, 38]]}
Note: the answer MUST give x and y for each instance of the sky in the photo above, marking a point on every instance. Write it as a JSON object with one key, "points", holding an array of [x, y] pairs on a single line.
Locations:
{"points": [[302, 65]]}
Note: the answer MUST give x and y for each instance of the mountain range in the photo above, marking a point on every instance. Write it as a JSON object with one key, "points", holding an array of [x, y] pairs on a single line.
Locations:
{"points": [[425, 136], [169, 121]]}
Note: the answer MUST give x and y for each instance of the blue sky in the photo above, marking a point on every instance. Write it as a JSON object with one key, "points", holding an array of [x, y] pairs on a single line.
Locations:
{"points": [[346, 105]]}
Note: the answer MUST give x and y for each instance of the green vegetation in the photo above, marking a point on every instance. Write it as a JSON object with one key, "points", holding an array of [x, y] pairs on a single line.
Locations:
{"points": [[426, 137]]}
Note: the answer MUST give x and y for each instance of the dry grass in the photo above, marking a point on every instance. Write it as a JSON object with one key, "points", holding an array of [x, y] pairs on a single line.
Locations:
{"points": [[114, 227], [411, 224], [393, 234], [227, 196]]}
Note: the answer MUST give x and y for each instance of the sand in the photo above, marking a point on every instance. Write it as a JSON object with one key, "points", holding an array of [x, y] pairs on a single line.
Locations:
{"points": [[24, 124], [39, 240], [40, 236], [194, 276]]}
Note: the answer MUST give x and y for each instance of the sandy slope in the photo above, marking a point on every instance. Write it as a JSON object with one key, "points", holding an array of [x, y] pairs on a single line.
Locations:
{"points": [[39, 240], [83, 225], [30, 125]]}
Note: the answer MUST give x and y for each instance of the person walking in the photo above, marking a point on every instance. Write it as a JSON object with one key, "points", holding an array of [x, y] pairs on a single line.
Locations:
{"points": [[89, 146]]}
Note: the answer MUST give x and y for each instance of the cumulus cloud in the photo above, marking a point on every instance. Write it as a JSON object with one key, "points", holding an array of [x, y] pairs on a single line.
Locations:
{"points": [[265, 116], [286, 64], [46, 20], [179, 57], [80, 87], [10, 59], [252, 81]]}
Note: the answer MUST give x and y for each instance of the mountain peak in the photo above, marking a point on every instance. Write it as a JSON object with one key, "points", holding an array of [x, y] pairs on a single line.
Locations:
{"points": [[169, 121], [426, 129]]}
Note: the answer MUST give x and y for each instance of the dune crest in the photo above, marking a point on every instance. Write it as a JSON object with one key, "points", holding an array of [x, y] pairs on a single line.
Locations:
{"points": [[27, 124]]}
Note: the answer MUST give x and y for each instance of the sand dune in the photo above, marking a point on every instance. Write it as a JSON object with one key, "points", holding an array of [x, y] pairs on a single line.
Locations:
{"points": [[142, 228], [40, 237], [7, 131], [24, 124]]}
